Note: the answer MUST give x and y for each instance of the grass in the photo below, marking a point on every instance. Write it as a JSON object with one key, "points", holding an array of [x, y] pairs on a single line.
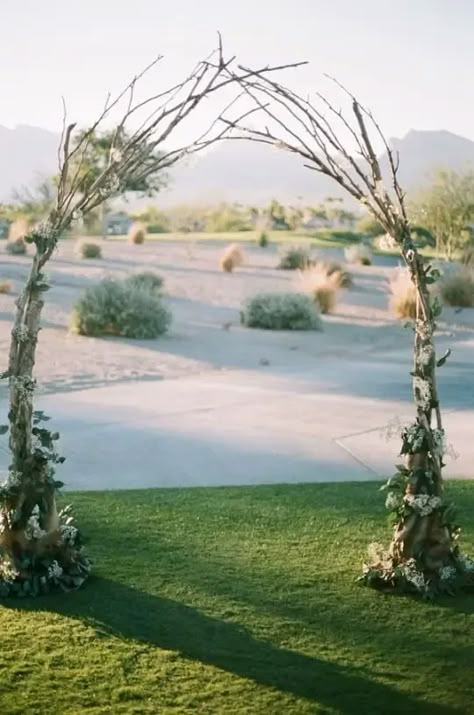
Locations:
{"points": [[237, 600]]}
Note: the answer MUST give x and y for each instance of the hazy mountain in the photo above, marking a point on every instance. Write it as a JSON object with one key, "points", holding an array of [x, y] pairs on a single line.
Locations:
{"points": [[237, 170], [26, 153]]}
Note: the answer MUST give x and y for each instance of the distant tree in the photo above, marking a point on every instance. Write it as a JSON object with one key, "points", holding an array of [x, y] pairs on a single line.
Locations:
{"points": [[229, 218], [33, 204], [100, 149], [277, 214], [446, 208], [370, 226]]}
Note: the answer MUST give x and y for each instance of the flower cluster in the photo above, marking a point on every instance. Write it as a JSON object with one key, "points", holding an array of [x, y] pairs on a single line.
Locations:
{"points": [[33, 528], [413, 437], [447, 573], [68, 534], [423, 504], [55, 570], [393, 501], [410, 572], [422, 390]]}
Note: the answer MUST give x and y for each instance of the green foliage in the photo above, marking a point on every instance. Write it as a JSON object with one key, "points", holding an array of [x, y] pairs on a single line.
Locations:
{"points": [[147, 280], [118, 307], [34, 204], [369, 226], [228, 218], [457, 287], [263, 240], [294, 258], [281, 311], [446, 209], [88, 249], [95, 155], [238, 600]]}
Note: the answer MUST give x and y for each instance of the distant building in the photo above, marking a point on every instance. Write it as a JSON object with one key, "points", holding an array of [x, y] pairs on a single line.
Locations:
{"points": [[117, 224]]}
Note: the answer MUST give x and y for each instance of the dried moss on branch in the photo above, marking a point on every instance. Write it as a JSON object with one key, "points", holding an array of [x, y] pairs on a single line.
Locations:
{"points": [[424, 555], [39, 548]]}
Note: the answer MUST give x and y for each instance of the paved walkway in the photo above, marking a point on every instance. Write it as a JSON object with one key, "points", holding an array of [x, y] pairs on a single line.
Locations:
{"points": [[324, 422]]}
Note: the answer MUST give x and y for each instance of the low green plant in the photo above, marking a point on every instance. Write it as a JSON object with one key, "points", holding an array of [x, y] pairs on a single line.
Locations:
{"points": [[5, 286], [16, 246], [263, 240], [457, 287], [88, 249], [147, 280], [116, 307], [281, 311], [294, 258]]}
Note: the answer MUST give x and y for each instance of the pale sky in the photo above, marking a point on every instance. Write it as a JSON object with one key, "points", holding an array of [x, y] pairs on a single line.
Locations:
{"points": [[410, 61]]}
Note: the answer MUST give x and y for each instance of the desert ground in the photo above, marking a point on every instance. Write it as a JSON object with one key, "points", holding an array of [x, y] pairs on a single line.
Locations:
{"points": [[212, 402]]}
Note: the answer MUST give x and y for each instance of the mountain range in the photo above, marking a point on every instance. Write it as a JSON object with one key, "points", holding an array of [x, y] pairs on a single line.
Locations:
{"points": [[236, 170]]}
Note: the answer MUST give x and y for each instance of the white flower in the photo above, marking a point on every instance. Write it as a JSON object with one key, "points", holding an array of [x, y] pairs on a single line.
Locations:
{"points": [[423, 504], [415, 577], [414, 435], [68, 534], [115, 155], [422, 389], [446, 573], [392, 501], [55, 570], [33, 529], [8, 571], [467, 563]]}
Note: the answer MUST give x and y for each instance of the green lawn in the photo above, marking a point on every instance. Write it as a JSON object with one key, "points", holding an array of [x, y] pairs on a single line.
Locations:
{"points": [[237, 600]]}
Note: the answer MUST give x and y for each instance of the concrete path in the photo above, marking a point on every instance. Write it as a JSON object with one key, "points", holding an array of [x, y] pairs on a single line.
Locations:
{"points": [[324, 422]]}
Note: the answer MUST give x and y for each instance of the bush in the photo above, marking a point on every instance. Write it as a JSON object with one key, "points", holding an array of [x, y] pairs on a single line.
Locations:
{"points": [[5, 286], [137, 233], [403, 298], [467, 257], [294, 258], [322, 285], [147, 280], [115, 307], [17, 229], [232, 257], [281, 311], [359, 254], [263, 240], [88, 249], [457, 287], [342, 277], [16, 247]]}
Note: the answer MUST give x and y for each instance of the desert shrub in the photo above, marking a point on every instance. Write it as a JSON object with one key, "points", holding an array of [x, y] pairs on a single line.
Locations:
{"points": [[5, 286], [232, 257], [457, 287], [467, 257], [147, 280], [18, 229], [263, 240], [321, 284], [403, 295], [88, 249], [114, 307], [16, 246], [360, 253], [137, 233], [294, 258], [342, 276], [281, 311]]}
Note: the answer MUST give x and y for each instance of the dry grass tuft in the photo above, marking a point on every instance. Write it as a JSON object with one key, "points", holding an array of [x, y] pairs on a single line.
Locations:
{"points": [[359, 253], [403, 295], [232, 257], [457, 287], [137, 233], [322, 285], [5, 286]]}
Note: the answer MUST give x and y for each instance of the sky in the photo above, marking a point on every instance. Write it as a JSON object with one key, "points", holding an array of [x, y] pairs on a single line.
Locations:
{"points": [[410, 61]]}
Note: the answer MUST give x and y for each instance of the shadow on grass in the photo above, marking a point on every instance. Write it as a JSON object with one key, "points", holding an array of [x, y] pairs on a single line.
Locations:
{"points": [[114, 609]]}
